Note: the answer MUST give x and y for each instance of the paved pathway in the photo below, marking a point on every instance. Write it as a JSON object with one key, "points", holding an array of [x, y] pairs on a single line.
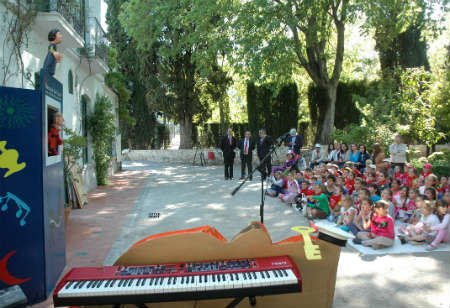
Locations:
{"points": [[92, 230], [187, 196]]}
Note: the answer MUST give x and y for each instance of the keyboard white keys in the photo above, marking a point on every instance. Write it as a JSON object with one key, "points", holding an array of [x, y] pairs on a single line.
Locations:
{"points": [[139, 287], [170, 285], [187, 281], [65, 289], [237, 282], [201, 283], [260, 279], [209, 283], [226, 281], [76, 289], [292, 277], [177, 285]]}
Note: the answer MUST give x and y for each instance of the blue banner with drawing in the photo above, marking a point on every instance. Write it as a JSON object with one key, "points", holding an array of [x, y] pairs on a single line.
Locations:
{"points": [[32, 239]]}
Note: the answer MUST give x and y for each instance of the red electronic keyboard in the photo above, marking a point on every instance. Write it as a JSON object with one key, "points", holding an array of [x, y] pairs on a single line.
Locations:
{"points": [[113, 285]]}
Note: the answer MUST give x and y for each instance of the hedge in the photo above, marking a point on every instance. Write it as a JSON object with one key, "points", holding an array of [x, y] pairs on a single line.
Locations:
{"points": [[210, 137]]}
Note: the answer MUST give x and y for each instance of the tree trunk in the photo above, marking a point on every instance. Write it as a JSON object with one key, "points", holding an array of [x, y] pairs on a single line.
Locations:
{"points": [[326, 126], [222, 118], [186, 132]]}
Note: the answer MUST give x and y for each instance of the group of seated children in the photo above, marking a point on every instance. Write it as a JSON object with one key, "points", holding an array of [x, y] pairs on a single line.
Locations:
{"points": [[369, 203]]}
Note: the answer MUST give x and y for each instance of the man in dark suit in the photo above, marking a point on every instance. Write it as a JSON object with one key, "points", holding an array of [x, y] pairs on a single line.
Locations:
{"points": [[246, 146], [294, 141], [263, 148], [228, 145]]}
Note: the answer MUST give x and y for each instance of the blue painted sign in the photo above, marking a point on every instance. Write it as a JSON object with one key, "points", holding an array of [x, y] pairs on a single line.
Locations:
{"points": [[32, 238]]}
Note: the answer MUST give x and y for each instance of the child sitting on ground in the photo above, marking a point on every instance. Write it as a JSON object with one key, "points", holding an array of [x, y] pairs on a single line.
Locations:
{"points": [[417, 234], [401, 204], [386, 195], [374, 192], [340, 181], [277, 185], [417, 215], [305, 191], [443, 234], [350, 183], [431, 193], [348, 213], [412, 196], [410, 178], [318, 207], [364, 215], [371, 178], [300, 178], [363, 194], [382, 181], [443, 186], [292, 190], [427, 170], [398, 175], [356, 188], [382, 232], [335, 203], [446, 197]]}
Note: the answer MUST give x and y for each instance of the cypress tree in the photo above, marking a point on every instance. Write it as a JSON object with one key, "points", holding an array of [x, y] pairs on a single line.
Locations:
{"points": [[139, 131]]}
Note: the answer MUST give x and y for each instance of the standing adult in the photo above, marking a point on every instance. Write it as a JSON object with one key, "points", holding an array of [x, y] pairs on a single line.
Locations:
{"points": [[398, 153], [378, 156], [294, 141], [246, 146], [263, 149], [228, 145]]}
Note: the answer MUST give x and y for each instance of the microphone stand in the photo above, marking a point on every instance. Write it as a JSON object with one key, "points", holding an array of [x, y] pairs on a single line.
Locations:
{"points": [[278, 143]]}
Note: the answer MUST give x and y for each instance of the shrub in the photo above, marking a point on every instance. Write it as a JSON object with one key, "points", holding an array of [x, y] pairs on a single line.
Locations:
{"points": [[101, 127], [439, 160]]}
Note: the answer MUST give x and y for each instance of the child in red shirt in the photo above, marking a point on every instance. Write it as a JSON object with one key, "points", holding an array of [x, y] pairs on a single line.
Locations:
{"points": [[443, 186], [382, 232], [382, 181], [426, 171], [398, 175], [308, 174], [54, 139], [335, 203], [356, 170], [372, 178], [306, 189], [410, 178], [350, 183]]}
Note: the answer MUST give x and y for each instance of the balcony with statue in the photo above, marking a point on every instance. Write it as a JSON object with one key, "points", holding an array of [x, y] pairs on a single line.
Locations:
{"points": [[67, 16]]}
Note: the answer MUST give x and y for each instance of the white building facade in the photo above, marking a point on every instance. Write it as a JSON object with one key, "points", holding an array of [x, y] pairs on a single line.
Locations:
{"points": [[82, 70]]}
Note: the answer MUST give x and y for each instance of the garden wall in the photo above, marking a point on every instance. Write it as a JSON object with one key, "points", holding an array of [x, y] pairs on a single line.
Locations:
{"points": [[187, 156]]}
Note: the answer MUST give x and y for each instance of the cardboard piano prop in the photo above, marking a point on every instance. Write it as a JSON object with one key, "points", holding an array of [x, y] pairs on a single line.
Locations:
{"points": [[315, 259]]}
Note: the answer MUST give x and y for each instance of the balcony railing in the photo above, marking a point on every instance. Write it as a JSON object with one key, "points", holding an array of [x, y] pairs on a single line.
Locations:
{"points": [[96, 41], [72, 11]]}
